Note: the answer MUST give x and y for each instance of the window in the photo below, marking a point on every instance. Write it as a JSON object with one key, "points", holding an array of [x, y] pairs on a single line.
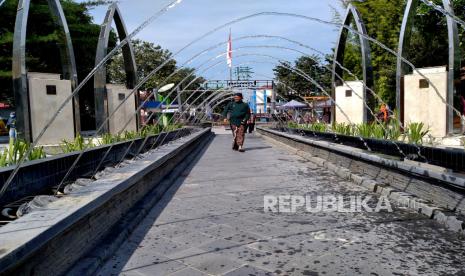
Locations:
{"points": [[348, 93], [121, 96], [424, 84], [51, 89]]}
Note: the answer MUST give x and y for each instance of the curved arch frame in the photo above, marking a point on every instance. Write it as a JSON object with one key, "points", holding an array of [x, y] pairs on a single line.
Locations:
{"points": [[353, 14], [453, 63], [100, 77], [19, 70]]}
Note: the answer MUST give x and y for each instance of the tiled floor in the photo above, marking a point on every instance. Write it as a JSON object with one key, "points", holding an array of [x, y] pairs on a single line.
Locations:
{"points": [[212, 222]]}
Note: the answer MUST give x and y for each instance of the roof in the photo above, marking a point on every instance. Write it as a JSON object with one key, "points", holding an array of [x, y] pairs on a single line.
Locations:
{"points": [[294, 104]]}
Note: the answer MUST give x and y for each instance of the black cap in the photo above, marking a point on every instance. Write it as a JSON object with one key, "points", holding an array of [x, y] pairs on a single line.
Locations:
{"points": [[238, 95]]}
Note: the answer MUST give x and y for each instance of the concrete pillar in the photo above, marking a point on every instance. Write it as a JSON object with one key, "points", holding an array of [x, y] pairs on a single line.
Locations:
{"points": [[351, 104], [47, 94], [273, 98], [124, 114], [421, 102], [265, 102]]}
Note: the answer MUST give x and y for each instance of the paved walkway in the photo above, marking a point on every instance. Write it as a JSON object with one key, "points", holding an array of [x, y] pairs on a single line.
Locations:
{"points": [[212, 223]]}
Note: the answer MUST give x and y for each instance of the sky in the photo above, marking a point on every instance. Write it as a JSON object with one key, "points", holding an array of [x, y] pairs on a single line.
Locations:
{"points": [[192, 19]]}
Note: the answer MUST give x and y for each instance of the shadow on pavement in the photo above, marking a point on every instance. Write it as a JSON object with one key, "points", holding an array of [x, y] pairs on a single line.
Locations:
{"points": [[148, 222]]}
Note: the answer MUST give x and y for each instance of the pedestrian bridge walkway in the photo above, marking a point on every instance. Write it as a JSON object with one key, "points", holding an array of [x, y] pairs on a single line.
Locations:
{"points": [[212, 222]]}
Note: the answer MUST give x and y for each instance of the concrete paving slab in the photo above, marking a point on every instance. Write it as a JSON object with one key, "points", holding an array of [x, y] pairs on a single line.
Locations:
{"points": [[216, 217]]}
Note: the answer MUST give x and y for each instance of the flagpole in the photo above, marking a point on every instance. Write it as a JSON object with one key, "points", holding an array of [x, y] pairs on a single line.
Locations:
{"points": [[230, 56], [230, 73]]}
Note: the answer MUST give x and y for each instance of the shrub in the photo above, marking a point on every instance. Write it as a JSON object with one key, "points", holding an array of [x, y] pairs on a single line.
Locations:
{"points": [[344, 129], [318, 127], [365, 130], [416, 132], [379, 131], [16, 151], [394, 130], [78, 144]]}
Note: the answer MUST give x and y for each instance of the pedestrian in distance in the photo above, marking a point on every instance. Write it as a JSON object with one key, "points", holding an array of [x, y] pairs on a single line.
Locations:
{"points": [[383, 114], [11, 124], [251, 122], [239, 114]]}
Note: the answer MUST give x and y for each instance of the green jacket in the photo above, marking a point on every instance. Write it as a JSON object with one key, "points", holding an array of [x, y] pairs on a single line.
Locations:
{"points": [[239, 113]]}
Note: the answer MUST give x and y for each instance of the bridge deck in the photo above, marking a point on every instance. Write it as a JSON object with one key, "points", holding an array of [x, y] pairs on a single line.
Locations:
{"points": [[212, 223]]}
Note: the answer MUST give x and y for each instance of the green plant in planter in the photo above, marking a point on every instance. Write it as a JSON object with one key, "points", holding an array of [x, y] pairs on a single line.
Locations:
{"points": [[416, 132], [394, 130], [4, 158], [37, 153], [292, 125], [130, 135], [344, 129], [78, 144], [318, 127], [365, 130], [16, 151], [108, 139], [378, 131]]}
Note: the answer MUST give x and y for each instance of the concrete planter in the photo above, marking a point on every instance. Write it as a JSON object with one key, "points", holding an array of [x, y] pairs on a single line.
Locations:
{"points": [[52, 240], [40, 176], [452, 159]]}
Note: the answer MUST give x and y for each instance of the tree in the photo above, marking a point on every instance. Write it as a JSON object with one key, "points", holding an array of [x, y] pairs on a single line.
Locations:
{"points": [[292, 82], [149, 57], [382, 20]]}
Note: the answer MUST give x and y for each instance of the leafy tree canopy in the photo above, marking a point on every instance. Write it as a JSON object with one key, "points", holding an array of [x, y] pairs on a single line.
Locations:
{"points": [[149, 57], [292, 85]]}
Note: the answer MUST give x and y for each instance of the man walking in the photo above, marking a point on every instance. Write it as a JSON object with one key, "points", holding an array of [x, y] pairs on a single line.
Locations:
{"points": [[239, 114]]}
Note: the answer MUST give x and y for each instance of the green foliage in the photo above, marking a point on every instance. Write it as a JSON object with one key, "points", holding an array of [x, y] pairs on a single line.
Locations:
{"points": [[394, 130], [148, 57], [37, 153], [344, 129], [352, 58], [379, 131], [78, 144], [416, 132], [364, 130], [382, 19], [108, 139], [16, 151], [293, 125], [290, 81], [130, 135], [318, 127]]}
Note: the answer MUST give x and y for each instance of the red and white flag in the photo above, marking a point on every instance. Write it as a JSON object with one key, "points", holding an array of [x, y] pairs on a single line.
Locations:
{"points": [[229, 56]]}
